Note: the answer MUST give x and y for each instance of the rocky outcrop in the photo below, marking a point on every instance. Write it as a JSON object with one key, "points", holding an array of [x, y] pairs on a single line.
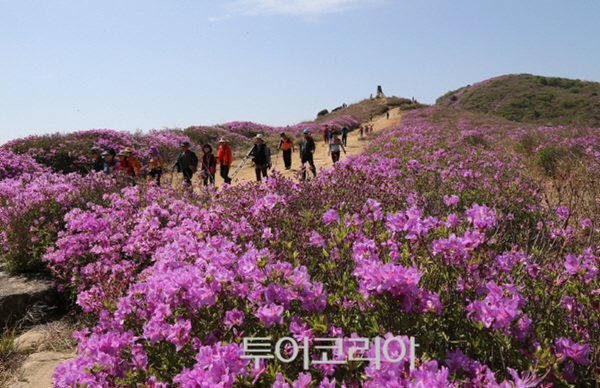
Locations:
{"points": [[20, 295]]}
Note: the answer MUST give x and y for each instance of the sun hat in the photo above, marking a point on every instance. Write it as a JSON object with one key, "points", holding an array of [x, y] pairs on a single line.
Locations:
{"points": [[108, 151], [127, 149], [282, 134], [258, 136], [122, 153], [222, 140]]}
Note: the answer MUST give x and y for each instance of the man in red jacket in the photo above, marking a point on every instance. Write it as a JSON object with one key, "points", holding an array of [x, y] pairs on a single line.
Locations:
{"points": [[225, 158]]}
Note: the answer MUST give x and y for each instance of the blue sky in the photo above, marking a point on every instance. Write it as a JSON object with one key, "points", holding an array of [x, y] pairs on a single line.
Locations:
{"points": [[141, 64]]}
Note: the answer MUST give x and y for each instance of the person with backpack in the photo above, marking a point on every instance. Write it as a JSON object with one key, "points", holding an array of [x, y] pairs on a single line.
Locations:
{"points": [[307, 149], [225, 158], [108, 155], [124, 166], [286, 144], [334, 147], [155, 165], [345, 136], [208, 166], [134, 162], [187, 162], [262, 157]]}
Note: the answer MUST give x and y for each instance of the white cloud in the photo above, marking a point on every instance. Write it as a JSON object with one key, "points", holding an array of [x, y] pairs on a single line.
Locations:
{"points": [[295, 7]]}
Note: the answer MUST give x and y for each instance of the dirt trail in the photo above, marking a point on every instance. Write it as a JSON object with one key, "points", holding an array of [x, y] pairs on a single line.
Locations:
{"points": [[356, 144]]}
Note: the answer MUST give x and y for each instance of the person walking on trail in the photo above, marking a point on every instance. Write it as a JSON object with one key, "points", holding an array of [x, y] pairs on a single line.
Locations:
{"points": [[225, 159], [133, 160], [325, 129], [124, 166], [109, 160], [334, 147], [345, 136], [262, 157], [187, 162], [136, 166], [97, 162], [286, 144], [307, 149], [155, 165], [208, 166]]}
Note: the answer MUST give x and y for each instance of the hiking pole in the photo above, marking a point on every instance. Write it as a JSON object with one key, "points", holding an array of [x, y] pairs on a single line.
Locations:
{"points": [[241, 163]]}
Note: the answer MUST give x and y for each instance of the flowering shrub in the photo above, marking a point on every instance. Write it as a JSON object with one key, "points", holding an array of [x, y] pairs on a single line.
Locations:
{"points": [[13, 165], [71, 152], [443, 231], [33, 209]]}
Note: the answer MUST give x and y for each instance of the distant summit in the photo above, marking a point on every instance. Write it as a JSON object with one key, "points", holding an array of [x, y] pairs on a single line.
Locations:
{"points": [[530, 98]]}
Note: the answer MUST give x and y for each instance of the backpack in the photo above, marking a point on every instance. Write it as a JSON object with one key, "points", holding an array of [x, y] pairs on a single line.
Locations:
{"points": [[135, 164]]}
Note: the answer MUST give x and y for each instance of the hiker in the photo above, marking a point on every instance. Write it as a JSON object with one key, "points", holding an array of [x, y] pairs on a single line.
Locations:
{"points": [[97, 162], [387, 115], [133, 160], [225, 158], [134, 163], [155, 165], [187, 162], [124, 166], [334, 147], [345, 136], [307, 149], [262, 157], [208, 166], [286, 144], [362, 129], [109, 160]]}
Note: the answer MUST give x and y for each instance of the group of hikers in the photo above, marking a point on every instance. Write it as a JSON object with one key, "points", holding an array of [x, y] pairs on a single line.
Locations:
{"points": [[188, 163]]}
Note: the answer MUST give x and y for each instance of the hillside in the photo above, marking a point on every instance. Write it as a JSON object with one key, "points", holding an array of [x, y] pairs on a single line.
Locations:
{"points": [[530, 98], [364, 110]]}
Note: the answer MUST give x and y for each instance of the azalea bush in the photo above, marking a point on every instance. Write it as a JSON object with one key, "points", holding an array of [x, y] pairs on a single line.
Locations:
{"points": [[444, 245], [33, 210], [429, 235], [14, 165]]}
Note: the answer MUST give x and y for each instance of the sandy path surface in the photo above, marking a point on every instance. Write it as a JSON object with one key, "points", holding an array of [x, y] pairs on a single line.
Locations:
{"points": [[356, 145]]}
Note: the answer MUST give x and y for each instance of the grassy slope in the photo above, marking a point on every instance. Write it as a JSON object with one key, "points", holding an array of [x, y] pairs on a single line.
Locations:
{"points": [[530, 98], [363, 110]]}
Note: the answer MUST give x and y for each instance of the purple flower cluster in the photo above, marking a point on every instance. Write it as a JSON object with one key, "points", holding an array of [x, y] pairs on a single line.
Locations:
{"points": [[456, 243]]}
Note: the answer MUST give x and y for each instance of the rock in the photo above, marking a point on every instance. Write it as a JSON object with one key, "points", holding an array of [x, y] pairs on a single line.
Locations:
{"points": [[30, 340], [37, 370], [20, 293]]}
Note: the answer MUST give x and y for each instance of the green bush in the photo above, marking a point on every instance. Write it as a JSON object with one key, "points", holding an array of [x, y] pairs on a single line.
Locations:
{"points": [[550, 158]]}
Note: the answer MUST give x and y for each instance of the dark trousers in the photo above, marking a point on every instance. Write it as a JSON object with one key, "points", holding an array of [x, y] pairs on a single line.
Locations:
{"points": [[187, 175], [156, 174], [287, 158], [208, 179], [335, 156], [344, 140], [260, 169], [225, 173], [308, 159]]}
